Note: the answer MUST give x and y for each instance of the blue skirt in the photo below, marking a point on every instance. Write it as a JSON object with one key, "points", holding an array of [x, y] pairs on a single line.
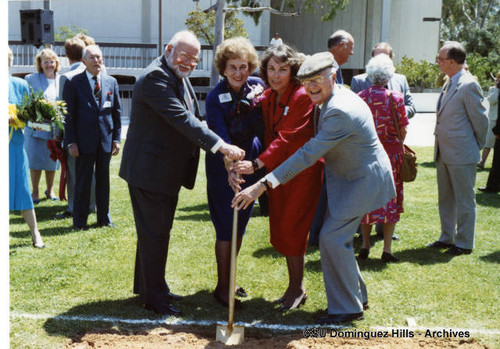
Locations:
{"points": [[19, 183]]}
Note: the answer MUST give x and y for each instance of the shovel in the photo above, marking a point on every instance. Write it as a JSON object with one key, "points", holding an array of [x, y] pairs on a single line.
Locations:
{"points": [[231, 334]]}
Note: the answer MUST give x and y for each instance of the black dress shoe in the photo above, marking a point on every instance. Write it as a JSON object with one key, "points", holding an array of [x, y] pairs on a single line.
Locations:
{"points": [[338, 318], [366, 306], [65, 214], [173, 296], [168, 309], [458, 251], [77, 227], [488, 190], [388, 258], [363, 253], [237, 302], [240, 292], [439, 244]]}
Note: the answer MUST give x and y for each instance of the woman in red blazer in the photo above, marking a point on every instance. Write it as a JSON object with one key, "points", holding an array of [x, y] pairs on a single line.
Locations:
{"points": [[288, 120]]}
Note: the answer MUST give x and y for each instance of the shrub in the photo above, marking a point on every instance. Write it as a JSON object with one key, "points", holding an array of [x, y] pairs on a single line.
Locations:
{"points": [[420, 75]]}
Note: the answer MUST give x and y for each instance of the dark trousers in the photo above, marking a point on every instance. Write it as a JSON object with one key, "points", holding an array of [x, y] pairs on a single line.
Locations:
{"points": [[154, 215], [494, 175], [84, 172]]}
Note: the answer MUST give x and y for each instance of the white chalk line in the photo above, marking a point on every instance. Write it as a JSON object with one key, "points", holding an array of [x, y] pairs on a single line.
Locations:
{"points": [[258, 325]]}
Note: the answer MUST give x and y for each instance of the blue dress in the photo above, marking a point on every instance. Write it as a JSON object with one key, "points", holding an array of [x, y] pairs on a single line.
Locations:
{"points": [[232, 116], [19, 184]]}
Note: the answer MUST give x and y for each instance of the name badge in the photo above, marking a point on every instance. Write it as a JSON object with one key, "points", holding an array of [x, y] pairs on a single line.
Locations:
{"points": [[225, 97], [107, 104], [285, 111]]}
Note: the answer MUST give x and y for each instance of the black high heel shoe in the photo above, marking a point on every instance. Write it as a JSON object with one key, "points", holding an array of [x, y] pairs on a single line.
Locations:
{"points": [[363, 253], [388, 258], [297, 304]]}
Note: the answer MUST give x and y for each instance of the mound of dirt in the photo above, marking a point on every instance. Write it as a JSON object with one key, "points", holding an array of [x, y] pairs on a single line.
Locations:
{"points": [[197, 337]]}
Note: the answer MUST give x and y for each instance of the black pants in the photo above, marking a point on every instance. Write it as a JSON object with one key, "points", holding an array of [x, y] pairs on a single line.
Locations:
{"points": [[84, 172], [494, 175], [154, 215]]}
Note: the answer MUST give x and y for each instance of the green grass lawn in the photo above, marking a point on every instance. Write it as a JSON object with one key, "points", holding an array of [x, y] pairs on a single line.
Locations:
{"points": [[90, 273]]}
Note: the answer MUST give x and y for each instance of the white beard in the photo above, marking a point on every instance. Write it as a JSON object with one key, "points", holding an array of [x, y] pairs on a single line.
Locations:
{"points": [[176, 70]]}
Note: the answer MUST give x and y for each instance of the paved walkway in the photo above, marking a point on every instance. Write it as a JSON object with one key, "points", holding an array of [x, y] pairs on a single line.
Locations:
{"points": [[420, 131]]}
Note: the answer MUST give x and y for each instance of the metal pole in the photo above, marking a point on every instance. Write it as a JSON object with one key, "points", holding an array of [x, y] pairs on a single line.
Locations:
{"points": [[160, 48], [46, 6]]}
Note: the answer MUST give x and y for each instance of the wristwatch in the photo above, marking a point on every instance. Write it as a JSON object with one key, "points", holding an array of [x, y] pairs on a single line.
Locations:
{"points": [[265, 183]]}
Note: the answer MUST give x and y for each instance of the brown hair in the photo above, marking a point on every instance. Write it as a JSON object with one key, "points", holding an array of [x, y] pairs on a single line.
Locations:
{"points": [[88, 40], [74, 48], [42, 55], [384, 46], [284, 54], [235, 48]]}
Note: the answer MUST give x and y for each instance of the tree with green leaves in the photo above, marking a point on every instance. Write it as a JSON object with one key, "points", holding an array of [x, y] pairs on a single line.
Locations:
{"points": [[65, 32]]}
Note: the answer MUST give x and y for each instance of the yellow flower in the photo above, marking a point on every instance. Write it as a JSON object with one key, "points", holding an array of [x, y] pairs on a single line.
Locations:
{"points": [[12, 109]]}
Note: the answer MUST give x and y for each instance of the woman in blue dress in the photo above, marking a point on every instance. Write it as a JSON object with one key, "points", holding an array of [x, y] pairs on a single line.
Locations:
{"points": [[46, 80], [19, 186], [233, 115]]}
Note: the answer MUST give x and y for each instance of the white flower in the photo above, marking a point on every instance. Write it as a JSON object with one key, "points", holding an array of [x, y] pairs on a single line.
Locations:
{"points": [[255, 91]]}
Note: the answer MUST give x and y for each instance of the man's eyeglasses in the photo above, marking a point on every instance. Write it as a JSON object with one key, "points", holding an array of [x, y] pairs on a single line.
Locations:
{"points": [[184, 56], [318, 79], [440, 59]]}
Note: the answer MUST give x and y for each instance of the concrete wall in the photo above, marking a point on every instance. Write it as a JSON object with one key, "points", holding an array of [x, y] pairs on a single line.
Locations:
{"points": [[408, 34], [126, 21]]}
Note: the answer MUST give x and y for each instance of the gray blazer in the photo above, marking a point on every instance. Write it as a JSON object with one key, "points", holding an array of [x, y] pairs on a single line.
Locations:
{"points": [[461, 122], [397, 83], [357, 169]]}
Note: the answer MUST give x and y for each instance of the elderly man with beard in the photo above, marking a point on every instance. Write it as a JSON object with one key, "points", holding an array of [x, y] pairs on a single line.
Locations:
{"points": [[161, 155]]}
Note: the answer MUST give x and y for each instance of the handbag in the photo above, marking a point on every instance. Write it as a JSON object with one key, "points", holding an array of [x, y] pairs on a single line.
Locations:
{"points": [[408, 171]]}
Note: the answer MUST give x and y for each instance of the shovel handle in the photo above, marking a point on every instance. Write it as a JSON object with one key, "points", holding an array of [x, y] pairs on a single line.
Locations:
{"points": [[232, 274]]}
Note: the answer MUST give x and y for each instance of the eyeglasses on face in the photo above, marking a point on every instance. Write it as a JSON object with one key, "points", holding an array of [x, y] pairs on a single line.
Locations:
{"points": [[184, 56], [317, 79], [440, 59]]}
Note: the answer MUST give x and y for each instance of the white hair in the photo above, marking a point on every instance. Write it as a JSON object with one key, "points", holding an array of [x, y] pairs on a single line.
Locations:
{"points": [[186, 35], [380, 69], [93, 48]]}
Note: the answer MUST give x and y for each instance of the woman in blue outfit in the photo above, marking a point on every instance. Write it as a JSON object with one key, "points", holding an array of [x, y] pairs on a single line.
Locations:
{"points": [[46, 80], [19, 186], [232, 114]]}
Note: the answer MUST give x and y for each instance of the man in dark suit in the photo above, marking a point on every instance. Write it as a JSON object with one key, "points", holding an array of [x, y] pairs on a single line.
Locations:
{"points": [[161, 155], [92, 134], [493, 183]]}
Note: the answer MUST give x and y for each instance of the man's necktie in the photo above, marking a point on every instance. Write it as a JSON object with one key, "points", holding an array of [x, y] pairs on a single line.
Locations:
{"points": [[317, 111], [443, 95], [97, 90]]}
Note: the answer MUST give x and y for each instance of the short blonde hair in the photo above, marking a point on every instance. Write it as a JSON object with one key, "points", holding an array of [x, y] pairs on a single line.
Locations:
{"points": [[88, 40], [236, 48], [44, 54]]}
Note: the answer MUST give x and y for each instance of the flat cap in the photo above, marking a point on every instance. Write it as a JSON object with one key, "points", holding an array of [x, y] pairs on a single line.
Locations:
{"points": [[314, 64]]}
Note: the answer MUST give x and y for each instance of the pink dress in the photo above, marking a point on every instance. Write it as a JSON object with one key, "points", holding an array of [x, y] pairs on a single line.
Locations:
{"points": [[377, 98]]}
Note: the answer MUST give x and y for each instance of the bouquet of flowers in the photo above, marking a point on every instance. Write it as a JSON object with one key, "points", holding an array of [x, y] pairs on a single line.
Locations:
{"points": [[38, 113]]}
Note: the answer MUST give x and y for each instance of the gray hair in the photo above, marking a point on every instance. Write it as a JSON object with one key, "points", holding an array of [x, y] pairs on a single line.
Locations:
{"points": [[340, 36], [380, 69], [94, 48], [184, 34]]}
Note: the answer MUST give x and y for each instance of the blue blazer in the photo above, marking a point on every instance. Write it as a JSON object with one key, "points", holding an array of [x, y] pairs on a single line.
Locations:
{"points": [[89, 124], [397, 83]]}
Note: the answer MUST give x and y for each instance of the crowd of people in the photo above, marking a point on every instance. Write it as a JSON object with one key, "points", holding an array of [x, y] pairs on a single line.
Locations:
{"points": [[295, 133]]}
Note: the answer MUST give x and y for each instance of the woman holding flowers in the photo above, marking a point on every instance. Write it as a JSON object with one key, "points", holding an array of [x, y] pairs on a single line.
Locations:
{"points": [[287, 111], [47, 81], [232, 114], [19, 187]]}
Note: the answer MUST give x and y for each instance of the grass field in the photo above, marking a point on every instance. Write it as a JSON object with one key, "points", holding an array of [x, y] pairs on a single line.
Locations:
{"points": [[90, 273]]}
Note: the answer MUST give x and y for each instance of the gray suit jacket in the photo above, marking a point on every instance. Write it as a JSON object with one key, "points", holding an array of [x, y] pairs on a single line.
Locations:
{"points": [[461, 122], [163, 140], [397, 83], [357, 169]]}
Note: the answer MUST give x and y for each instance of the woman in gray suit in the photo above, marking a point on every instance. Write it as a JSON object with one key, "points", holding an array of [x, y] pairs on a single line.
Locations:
{"points": [[46, 80]]}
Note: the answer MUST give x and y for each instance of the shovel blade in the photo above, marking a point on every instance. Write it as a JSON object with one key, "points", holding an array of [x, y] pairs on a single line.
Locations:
{"points": [[234, 337]]}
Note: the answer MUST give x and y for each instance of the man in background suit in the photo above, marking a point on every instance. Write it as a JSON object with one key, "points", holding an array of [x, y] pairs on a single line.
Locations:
{"points": [[341, 46], [358, 180], [161, 155], [397, 83], [461, 125], [74, 49], [92, 134]]}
